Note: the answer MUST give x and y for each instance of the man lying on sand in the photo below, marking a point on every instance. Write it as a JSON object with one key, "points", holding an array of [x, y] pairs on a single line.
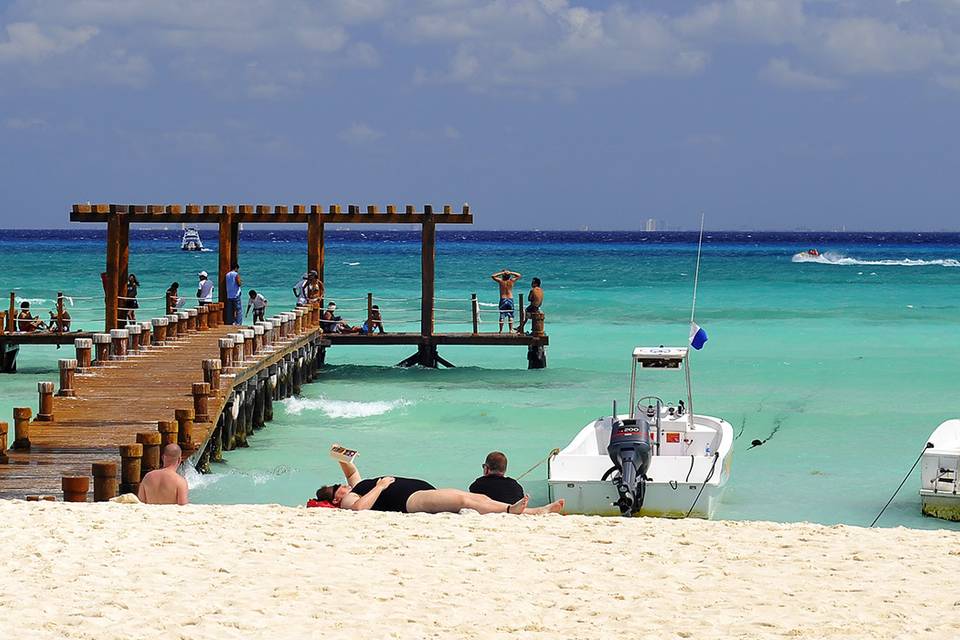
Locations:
{"points": [[408, 495]]}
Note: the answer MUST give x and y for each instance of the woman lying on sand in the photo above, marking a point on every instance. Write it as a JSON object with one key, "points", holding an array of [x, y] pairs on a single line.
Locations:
{"points": [[408, 495]]}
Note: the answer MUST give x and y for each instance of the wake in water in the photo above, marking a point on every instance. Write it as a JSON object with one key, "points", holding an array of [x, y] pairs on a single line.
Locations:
{"points": [[839, 259], [343, 408]]}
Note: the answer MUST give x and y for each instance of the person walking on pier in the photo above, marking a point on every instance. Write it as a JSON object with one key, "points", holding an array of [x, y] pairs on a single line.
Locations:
{"points": [[259, 304], [409, 495], [506, 279], [234, 308], [129, 305], [204, 289], [494, 482], [300, 290], [165, 486], [536, 300]]}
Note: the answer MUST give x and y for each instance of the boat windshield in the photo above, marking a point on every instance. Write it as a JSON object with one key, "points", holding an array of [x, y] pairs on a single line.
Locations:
{"points": [[660, 358]]}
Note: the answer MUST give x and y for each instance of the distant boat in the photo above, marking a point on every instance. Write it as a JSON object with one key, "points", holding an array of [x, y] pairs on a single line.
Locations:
{"points": [[191, 240]]}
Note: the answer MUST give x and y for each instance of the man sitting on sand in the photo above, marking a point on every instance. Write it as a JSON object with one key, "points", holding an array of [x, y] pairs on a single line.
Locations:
{"points": [[494, 483], [165, 486], [506, 279], [408, 495]]}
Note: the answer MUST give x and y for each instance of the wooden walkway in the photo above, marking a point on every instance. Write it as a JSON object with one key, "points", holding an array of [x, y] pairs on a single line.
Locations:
{"points": [[116, 401]]}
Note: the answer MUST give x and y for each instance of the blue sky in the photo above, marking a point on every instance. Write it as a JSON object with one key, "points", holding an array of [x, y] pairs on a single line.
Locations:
{"points": [[540, 113]]}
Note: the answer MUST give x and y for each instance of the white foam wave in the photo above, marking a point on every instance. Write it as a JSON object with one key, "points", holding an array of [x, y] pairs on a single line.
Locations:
{"points": [[343, 408], [839, 259], [351, 264], [32, 300]]}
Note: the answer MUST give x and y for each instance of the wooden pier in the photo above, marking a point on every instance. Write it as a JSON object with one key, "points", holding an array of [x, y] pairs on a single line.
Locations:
{"points": [[207, 387]]}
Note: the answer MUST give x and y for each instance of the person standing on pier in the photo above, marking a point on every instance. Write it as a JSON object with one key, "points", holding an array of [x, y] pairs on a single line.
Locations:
{"points": [[204, 289], [300, 290], [173, 297], [130, 305], [165, 486], [506, 279], [314, 287], [234, 308], [536, 300]]}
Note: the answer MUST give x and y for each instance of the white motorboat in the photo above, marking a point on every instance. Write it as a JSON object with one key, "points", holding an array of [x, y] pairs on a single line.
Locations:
{"points": [[191, 240], [939, 468], [659, 459]]}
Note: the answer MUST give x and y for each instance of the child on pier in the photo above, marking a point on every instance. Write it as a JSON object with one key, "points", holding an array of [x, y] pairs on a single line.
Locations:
{"points": [[259, 304]]}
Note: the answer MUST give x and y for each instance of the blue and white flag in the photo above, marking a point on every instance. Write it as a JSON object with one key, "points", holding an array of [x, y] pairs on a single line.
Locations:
{"points": [[698, 337]]}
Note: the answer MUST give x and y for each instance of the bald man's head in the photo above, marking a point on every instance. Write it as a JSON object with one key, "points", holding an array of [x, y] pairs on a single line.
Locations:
{"points": [[171, 455]]}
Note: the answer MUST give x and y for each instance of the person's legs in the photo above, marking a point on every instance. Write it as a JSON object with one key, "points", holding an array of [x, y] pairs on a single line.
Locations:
{"points": [[452, 500], [237, 312]]}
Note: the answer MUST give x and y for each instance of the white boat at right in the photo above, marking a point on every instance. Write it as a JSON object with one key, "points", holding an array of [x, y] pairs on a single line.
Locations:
{"points": [[939, 470]]}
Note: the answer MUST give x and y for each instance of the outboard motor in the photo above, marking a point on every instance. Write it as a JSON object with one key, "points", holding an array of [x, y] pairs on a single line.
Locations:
{"points": [[629, 449]]}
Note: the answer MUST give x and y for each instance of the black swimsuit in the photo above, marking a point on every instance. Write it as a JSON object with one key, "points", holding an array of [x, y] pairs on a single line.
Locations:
{"points": [[394, 497]]}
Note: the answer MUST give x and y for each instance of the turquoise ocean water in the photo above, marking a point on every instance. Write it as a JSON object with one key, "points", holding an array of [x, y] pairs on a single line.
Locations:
{"points": [[846, 364]]}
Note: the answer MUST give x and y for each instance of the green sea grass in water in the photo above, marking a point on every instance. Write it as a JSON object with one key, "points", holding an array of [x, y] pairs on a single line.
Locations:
{"points": [[844, 365]]}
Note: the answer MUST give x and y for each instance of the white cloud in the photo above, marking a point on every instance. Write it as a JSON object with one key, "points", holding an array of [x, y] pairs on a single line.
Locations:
{"points": [[780, 72], [865, 45], [360, 133], [32, 42], [25, 122]]}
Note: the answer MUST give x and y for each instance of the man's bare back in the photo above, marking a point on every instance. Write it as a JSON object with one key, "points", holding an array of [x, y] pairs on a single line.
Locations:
{"points": [[165, 486], [506, 279]]}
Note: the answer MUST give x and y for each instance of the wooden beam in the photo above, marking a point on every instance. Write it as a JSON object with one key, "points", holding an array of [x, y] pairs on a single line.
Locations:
{"points": [[428, 239], [123, 258], [224, 253], [111, 274], [315, 247], [194, 214]]}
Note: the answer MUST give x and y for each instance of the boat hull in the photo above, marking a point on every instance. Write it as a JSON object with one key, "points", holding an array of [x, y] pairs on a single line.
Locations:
{"points": [[940, 473], [597, 498]]}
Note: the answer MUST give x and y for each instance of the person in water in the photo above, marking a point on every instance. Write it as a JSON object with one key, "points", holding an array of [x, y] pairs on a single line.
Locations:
{"points": [[165, 486], [409, 495], [505, 279]]}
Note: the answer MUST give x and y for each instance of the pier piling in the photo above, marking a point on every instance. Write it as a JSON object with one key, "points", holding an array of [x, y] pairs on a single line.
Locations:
{"points": [[150, 441], [75, 488], [45, 412], [21, 427], [104, 480]]}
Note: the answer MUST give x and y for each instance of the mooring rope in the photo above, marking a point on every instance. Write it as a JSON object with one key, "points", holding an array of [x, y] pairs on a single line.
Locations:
{"points": [[552, 453]]}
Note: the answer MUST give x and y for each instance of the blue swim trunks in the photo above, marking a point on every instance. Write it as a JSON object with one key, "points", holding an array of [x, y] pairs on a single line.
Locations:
{"points": [[506, 308]]}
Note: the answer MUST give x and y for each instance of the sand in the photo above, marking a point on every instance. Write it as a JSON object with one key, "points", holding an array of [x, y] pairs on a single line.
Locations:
{"points": [[135, 571]]}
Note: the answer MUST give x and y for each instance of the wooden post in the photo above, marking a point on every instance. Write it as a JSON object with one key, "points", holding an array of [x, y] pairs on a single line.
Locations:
{"points": [[123, 256], [67, 368], [160, 330], [118, 346], [4, 434], [168, 432], [133, 342], [536, 321], [370, 313], [84, 347], [225, 252], [45, 413], [249, 337], [130, 457], [192, 323], [21, 427], [75, 488], [238, 358], [146, 328], [428, 237], [104, 481], [226, 352], [3, 322], [111, 275], [522, 315], [59, 311], [102, 341], [12, 313], [315, 249], [202, 318], [475, 312], [201, 391], [150, 441], [173, 326], [185, 429], [211, 374]]}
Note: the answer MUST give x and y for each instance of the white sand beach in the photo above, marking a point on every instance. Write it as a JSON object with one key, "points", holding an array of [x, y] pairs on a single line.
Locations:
{"points": [[133, 571]]}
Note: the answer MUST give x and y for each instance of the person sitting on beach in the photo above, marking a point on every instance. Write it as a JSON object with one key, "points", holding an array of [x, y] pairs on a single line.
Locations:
{"points": [[409, 495], [26, 321], [375, 323], [259, 304], [536, 300], [494, 483], [506, 279], [165, 486]]}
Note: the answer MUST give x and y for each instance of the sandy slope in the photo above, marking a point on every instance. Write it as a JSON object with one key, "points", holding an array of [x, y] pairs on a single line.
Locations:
{"points": [[132, 571]]}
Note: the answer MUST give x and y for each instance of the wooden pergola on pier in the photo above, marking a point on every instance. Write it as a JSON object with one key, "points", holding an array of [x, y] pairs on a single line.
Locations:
{"points": [[118, 218]]}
